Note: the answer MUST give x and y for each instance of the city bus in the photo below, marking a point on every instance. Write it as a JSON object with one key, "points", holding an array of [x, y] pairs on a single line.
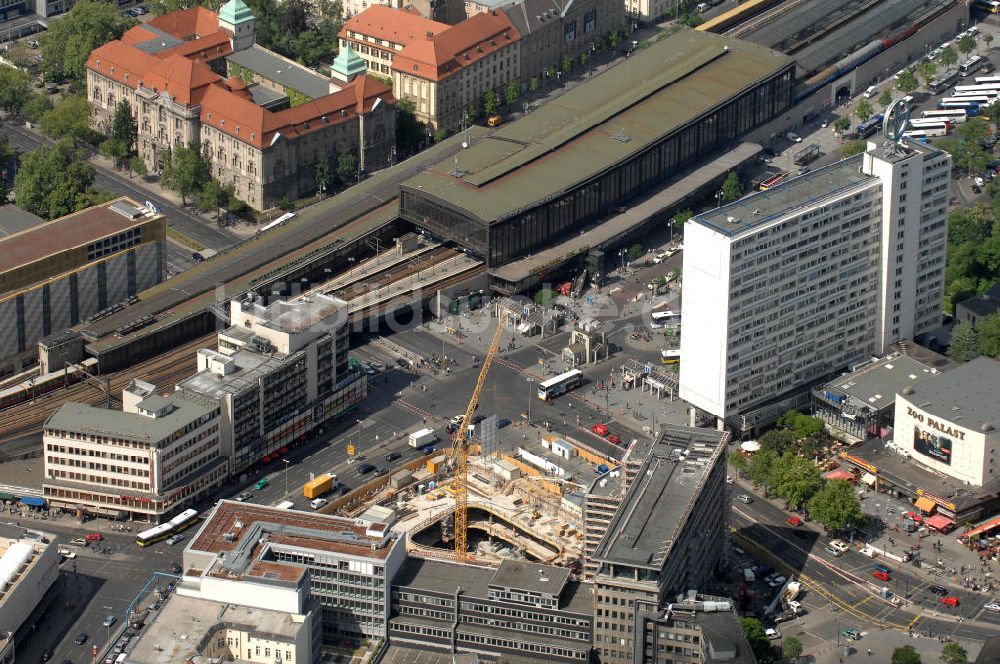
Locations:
{"points": [[184, 520], [970, 66], [931, 125], [971, 108], [155, 534], [562, 383], [670, 356], [664, 318], [943, 82], [955, 116], [870, 126], [991, 6], [773, 181]]}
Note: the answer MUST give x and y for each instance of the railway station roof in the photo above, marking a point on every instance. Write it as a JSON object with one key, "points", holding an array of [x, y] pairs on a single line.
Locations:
{"points": [[597, 124]]}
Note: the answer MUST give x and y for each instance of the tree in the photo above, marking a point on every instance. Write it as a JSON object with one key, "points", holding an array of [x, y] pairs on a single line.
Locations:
{"points": [[864, 110], [836, 505], [137, 165], [965, 153], [440, 135], [36, 107], [21, 56], [114, 150], [948, 57], [976, 129], [753, 629], [927, 70], [732, 188], [800, 424], [67, 43], [185, 171], [953, 653], [567, 64], [634, 252], [324, 178], [613, 39], [842, 124], [964, 345], [777, 440], [988, 334], [885, 98], [211, 197], [70, 118], [797, 479], [761, 468], [907, 81], [533, 84], [852, 148], [347, 167], [409, 131], [791, 647], [490, 103], [123, 126], [967, 44], [512, 92], [545, 297], [54, 181], [905, 655], [987, 38], [15, 89]]}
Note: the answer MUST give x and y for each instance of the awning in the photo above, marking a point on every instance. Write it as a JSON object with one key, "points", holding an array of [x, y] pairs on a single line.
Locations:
{"points": [[983, 527], [868, 479], [925, 504], [839, 474], [32, 501], [7, 496], [939, 522]]}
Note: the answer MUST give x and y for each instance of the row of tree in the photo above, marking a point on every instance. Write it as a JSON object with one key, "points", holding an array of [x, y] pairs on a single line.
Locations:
{"points": [[791, 647], [973, 255]]}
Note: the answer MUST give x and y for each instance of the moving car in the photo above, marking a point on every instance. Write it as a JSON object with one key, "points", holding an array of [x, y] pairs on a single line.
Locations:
{"points": [[261, 483], [745, 499], [243, 497], [938, 590], [79, 541], [794, 521], [881, 576], [852, 634], [793, 137], [174, 539], [176, 569], [318, 503], [109, 621], [81, 638], [392, 456], [992, 606], [883, 568], [94, 537], [949, 601], [67, 554], [365, 468]]}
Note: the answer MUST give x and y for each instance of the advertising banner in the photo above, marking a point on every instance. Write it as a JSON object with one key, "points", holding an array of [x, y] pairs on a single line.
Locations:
{"points": [[934, 445]]}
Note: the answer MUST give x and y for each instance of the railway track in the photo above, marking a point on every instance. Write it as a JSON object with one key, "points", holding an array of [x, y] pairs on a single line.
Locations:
{"points": [[164, 371], [755, 22]]}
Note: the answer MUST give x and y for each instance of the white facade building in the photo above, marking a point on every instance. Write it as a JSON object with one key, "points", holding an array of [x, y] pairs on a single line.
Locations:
{"points": [[786, 287], [29, 565], [949, 422]]}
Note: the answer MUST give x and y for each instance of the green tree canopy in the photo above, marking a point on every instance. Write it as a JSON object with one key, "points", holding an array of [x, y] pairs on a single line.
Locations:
{"points": [[545, 297], [347, 167], [791, 648], [55, 181], [36, 107], [967, 44], [70, 118], [513, 92], [753, 629], [69, 40], [905, 655], [410, 132], [953, 653], [948, 57], [490, 103], [185, 171], [777, 440], [966, 154], [800, 424], [634, 252], [842, 124], [927, 70], [137, 165], [123, 126], [836, 505], [852, 148], [964, 345], [797, 479], [988, 333], [907, 81], [732, 188], [885, 98], [864, 110], [15, 89], [324, 178]]}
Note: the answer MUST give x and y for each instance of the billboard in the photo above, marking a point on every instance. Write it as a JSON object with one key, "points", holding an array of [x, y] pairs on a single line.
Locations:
{"points": [[934, 445]]}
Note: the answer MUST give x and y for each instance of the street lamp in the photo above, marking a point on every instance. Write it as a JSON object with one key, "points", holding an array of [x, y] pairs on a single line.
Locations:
{"points": [[530, 381]]}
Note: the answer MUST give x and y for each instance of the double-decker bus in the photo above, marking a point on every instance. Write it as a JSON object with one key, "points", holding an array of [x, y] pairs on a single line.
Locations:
{"points": [[970, 66], [955, 116], [870, 126], [562, 383]]}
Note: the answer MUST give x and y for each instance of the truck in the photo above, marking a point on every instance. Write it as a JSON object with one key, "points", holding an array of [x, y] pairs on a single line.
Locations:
{"points": [[790, 592], [806, 155], [422, 438], [315, 488]]}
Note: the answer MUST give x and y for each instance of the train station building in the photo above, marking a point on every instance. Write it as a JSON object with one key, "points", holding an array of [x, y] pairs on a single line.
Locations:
{"points": [[569, 167]]}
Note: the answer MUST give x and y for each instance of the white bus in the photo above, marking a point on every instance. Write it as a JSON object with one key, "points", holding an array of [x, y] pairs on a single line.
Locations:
{"points": [[562, 383], [987, 80], [956, 116], [918, 135], [285, 505], [155, 534], [965, 102], [931, 125], [664, 318], [184, 520], [969, 66], [987, 89]]}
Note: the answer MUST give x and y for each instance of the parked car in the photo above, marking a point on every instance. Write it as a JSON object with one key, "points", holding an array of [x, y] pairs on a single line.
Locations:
{"points": [[794, 521], [870, 92], [503, 422], [938, 590], [67, 554], [793, 137], [992, 606], [318, 503], [176, 569], [379, 472], [174, 539], [79, 541], [46, 656], [976, 189], [772, 633]]}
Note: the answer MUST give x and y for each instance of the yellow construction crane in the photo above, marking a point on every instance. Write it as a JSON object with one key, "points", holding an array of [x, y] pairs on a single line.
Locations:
{"points": [[461, 453]]}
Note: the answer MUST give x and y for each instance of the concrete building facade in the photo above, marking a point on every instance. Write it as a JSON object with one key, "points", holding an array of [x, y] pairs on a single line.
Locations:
{"points": [[143, 462], [799, 282], [57, 274], [29, 565]]}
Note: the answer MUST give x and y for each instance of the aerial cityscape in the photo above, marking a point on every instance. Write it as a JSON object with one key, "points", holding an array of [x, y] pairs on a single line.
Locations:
{"points": [[499, 331]]}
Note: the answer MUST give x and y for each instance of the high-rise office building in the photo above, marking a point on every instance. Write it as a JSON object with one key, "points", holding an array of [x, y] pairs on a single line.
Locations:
{"points": [[788, 286]]}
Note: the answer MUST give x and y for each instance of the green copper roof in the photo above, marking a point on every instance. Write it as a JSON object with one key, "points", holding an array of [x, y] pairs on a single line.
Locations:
{"points": [[348, 63], [235, 12]]}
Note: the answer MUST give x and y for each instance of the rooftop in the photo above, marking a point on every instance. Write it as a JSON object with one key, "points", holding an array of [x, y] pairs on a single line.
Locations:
{"points": [[399, 26], [14, 220], [229, 527], [276, 68], [544, 579], [184, 623], [660, 499], [760, 208], [251, 367], [598, 123], [87, 419], [74, 230], [877, 383], [966, 395]]}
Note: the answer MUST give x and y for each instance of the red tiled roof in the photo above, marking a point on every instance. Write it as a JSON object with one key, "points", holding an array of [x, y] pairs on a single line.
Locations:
{"points": [[179, 77], [400, 26], [117, 59], [188, 23], [459, 46], [210, 47], [137, 35]]}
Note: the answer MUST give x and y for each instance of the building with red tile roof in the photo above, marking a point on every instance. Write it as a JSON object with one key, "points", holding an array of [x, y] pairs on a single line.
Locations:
{"points": [[178, 74], [444, 70]]}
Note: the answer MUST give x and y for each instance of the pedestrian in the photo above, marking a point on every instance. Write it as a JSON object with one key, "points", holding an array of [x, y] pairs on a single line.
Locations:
{"points": [[870, 653]]}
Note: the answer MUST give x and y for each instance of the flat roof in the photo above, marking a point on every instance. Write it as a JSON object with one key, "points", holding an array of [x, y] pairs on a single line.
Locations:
{"points": [[14, 220], [84, 418], [544, 579], [612, 229], [251, 367], [966, 395], [656, 506], [807, 190], [877, 383], [598, 123], [281, 70], [182, 623], [69, 232]]}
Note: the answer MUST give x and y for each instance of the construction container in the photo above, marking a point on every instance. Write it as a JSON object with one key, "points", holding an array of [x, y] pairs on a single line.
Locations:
{"points": [[437, 464], [400, 479]]}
